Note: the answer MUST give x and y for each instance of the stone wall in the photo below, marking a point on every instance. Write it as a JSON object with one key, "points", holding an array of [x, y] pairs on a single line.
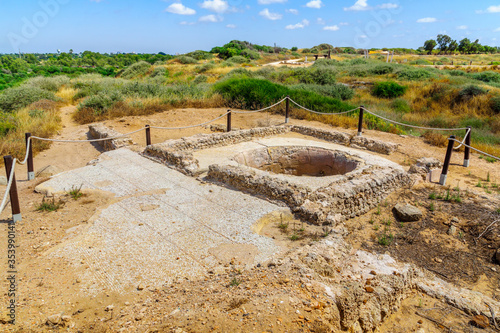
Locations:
{"points": [[339, 201], [99, 131]]}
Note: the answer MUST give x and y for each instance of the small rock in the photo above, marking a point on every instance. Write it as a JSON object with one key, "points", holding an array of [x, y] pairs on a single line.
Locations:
{"points": [[3, 180], [369, 289], [140, 287], [53, 320], [408, 213], [452, 231], [438, 260], [109, 308], [481, 321], [66, 318], [455, 220]]}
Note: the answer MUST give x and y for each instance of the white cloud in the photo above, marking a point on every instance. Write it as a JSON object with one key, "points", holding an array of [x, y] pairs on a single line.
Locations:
{"points": [[180, 9], [210, 18], [268, 2], [388, 6], [462, 27], [359, 5], [299, 25], [292, 11], [331, 28], [493, 9], [270, 16], [218, 6], [320, 21], [496, 30], [427, 20], [314, 4], [187, 23], [343, 23], [231, 26]]}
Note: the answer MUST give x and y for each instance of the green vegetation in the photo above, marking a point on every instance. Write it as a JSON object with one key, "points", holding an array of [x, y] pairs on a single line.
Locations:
{"points": [[75, 192], [388, 90], [48, 205]]}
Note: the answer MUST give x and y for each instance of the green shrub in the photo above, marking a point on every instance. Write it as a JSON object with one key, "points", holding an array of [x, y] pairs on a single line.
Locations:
{"points": [[200, 79], [415, 74], [388, 90], [200, 55], [471, 91], [7, 123], [444, 59], [51, 84], [16, 98], [205, 67], [159, 71], [185, 60], [101, 102], [401, 105], [136, 69], [487, 76], [420, 62], [358, 61], [382, 69], [256, 93], [495, 104], [358, 71], [236, 60], [338, 91], [325, 63], [249, 54]]}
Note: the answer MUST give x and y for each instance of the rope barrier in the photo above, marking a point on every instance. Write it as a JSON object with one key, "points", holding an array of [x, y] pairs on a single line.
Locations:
{"points": [[463, 141], [175, 128], [264, 109], [479, 151], [91, 140], [9, 185], [322, 113], [28, 144], [407, 125]]}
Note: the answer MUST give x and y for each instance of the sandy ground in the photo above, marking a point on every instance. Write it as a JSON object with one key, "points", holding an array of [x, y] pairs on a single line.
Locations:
{"points": [[259, 299]]}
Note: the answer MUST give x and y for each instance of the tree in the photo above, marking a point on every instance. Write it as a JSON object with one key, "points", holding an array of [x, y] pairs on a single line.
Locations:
{"points": [[453, 46], [464, 46], [429, 45], [443, 41]]}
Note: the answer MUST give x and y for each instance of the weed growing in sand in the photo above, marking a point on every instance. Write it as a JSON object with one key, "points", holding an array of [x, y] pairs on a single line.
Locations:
{"points": [[76, 192], [488, 177], [326, 231], [431, 207], [48, 205], [234, 282], [294, 237], [376, 227], [385, 239], [488, 159], [378, 212], [479, 184], [432, 195], [498, 210], [283, 225]]}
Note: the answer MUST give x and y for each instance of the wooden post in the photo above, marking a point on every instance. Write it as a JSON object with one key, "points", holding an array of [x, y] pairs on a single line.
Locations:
{"points": [[14, 199], [31, 169], [360, 123], [447, 159], [228, 120], [287, 112], [467, 149], [148, 135]]}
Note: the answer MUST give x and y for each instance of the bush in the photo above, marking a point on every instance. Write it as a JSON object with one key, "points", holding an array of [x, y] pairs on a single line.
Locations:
{"points": [[15, 98], [487, 76], [388, 90], [200, 55], [135, 70], [185, 60], [401, 105], [382, 69], [100, 103], [205, 67], [249, 54], [420, 62], [471, 91], [255, 94], [236, 60], [338, 91], [200, 79], [48, 83], [495, 104], [415, 74], [159, 71], [325, 63]]}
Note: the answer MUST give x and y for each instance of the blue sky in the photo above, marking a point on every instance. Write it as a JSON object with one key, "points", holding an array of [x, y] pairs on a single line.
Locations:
{"points": [[179, 26]]}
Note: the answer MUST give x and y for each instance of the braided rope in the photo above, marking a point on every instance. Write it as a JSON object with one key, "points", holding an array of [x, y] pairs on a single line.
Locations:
{"points": [[479, 151], [9, 185]]}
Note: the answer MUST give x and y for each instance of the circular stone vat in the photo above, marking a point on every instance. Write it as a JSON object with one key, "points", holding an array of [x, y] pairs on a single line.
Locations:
{"points": [[299, 161]]}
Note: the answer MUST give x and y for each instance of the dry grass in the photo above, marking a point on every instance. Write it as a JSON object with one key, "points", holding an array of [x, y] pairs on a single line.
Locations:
{"points": [[66, 94], [44, 124]]}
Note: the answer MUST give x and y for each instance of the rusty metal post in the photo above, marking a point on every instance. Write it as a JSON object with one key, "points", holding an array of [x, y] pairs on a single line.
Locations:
{"points": [[228, 120], [447, 159], [360, 123], [467, 149], [287, 112], [14, 199], [148, 135], [31, 168]]}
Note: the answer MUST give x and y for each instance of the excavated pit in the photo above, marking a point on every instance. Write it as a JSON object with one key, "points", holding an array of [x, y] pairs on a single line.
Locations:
{"points": [[298, 161]]}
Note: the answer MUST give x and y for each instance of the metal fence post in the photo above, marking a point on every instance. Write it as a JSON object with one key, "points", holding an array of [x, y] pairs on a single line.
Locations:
{"points": [[360, 123], [287, 113], [148, 135], [467, 149], [447, 159], [14, 199], [228, 120], [31, 169]]}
